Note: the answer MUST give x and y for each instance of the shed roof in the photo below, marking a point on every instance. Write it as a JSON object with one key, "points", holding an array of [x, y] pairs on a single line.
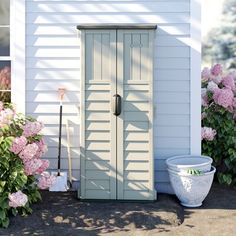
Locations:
{"points": [[116, 26]]}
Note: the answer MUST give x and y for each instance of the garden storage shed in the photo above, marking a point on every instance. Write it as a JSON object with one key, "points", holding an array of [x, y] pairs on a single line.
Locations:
{"points": [[117, 112], [46, 55]]}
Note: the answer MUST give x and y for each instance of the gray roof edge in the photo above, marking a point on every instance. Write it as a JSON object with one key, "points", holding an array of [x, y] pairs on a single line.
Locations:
{"points": [[116, 26]]}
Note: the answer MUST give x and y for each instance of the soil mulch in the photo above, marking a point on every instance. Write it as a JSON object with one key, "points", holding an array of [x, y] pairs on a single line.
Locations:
{"points": [[63, 214]]}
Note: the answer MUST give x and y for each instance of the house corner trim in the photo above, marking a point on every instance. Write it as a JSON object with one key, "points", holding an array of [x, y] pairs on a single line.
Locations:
{"points": [[18, 59], [195, 75]]}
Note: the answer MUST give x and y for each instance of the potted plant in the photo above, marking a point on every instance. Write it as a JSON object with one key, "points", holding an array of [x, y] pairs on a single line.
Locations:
{"points": [[191, 187], [191, 178], [21, 167]]}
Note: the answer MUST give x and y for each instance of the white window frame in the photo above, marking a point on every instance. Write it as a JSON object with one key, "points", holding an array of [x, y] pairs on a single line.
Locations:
{"points": [[195, 75], [17, 36], [10, 57]]}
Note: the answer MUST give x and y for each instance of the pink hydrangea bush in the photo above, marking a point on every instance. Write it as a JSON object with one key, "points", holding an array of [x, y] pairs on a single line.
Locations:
{"points": [[219, 121], [21, 165], [17, 199]]}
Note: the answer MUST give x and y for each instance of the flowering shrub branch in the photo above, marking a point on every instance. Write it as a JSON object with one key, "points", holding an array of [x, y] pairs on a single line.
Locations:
{"points": [[21, 149], [219, 121]]}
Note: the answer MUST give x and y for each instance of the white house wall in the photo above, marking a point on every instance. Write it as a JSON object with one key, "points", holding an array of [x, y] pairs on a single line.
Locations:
{"points": [[53, 60]]}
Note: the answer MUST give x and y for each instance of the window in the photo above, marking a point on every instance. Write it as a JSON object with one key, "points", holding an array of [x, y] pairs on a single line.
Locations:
{"points": [[5, 52]]}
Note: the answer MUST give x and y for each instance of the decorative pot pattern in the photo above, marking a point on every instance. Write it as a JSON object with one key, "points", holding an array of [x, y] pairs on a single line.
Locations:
{"points": [[191, 189]]}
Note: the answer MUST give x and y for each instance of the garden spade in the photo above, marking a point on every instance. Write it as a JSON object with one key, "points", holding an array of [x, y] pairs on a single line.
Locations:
{"points": [[60, 184]]}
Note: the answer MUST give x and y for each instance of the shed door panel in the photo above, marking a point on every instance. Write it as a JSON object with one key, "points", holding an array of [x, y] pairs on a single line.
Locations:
{"points": [[98, 159], [134, 125]]}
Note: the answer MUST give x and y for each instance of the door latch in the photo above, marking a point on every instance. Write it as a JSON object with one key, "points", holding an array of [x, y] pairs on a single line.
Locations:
{"points": [[116, 105]]}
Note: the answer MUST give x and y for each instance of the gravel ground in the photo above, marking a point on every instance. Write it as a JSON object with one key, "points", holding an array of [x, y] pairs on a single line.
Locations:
{"points": [[62, 214]]}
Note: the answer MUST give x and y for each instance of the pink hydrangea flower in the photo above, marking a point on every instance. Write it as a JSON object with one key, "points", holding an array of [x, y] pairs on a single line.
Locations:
{"points": [[203, 92], [230, 109], [212, 86], [29, 151], [46, 180], [204, 97], [223, 97], [234, 103], [217, 79], [43, 167], [18, 144], [216, 70], [204, 102], [208, 133], [35, 166], [31, 166], [6, 117], [32, 128], [206, 74], [229, 82], [17, 199], [233, 75], [42, 148], [203, 116]]}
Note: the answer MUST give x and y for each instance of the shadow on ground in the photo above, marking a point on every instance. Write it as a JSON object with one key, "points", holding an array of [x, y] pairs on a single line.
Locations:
{"points": [[63, 214], [220, 197]]}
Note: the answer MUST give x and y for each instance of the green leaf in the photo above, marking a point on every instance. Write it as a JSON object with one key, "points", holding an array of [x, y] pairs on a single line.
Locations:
{"points": [[2, 215], [194, 172], [5, 222], [14, 211]]}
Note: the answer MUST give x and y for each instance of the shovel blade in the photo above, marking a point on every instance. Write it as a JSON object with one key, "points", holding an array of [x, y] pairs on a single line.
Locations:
{"points": [[60, 184]]}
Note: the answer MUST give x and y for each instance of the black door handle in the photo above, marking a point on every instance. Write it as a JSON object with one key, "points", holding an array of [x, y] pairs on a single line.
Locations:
{"points": [[116, 105]]}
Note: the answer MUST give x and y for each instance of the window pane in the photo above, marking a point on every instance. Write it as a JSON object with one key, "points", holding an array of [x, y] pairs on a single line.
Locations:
{"points": [[5, 96], [4, 12], [4, 41], [5, 75]]}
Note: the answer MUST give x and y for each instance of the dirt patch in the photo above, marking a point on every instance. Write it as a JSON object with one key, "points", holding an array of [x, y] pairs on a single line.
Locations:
{"points": [[63, 214]]}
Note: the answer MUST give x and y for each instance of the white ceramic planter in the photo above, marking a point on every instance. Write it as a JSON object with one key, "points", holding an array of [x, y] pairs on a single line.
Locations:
{"points": [[186, 162], [191, 189]]}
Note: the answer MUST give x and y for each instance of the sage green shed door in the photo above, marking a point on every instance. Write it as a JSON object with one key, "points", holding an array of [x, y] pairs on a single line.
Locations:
{"points": [[135, 168], [98, 124], [117, 150]]}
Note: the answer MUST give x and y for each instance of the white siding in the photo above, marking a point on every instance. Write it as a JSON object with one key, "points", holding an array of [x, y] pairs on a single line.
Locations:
{"points": [[53, 54]]}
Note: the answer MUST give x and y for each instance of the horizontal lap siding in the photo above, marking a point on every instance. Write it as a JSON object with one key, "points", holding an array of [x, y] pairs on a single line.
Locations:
{"points": [[53, 60]]}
